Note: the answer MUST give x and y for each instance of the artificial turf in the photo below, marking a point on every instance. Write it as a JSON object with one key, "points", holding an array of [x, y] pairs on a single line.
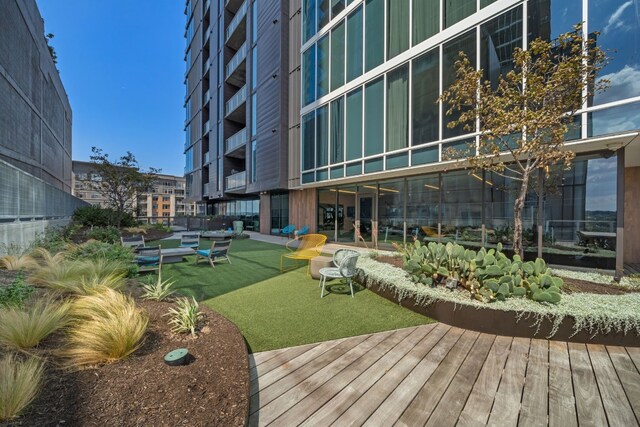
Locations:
{"points": [[275, 310]]}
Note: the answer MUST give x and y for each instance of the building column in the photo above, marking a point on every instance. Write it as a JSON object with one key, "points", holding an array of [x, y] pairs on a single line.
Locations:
{"points": [[620, 214]]}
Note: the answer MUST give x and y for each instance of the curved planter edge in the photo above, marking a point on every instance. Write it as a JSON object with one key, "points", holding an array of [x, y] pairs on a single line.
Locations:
{"points": [[500, 322]]}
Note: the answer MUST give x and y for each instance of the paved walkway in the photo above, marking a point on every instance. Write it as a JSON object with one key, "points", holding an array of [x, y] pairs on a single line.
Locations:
{"points": [[439, 375]]}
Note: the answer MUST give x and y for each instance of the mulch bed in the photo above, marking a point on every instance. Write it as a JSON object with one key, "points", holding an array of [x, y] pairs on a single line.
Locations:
{"points": [[212, 390]]}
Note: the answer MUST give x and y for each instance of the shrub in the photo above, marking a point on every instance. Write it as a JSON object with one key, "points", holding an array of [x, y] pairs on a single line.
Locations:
{"points": [[107, 327], [18, 262], [186, 317], [15, 294], [22, 329], [158, 290], [54, 239], [96, 216], [81, 277], [94, 250], [19, 384], [104, 234]]}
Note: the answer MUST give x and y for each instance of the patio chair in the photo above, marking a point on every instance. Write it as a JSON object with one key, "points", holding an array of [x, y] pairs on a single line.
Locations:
{"points": [[219, 252], [190, 241], [345, 261], [310, 246], [149, 258], [303, 231], [136, 241], [288, 230]]}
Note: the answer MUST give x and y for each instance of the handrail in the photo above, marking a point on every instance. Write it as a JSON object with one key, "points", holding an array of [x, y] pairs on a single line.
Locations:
{"points": [[235, 22], [237, 59], [236, 140]]}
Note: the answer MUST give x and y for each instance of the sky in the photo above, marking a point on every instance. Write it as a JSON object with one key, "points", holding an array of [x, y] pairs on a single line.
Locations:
{"points": [[122, 65]]}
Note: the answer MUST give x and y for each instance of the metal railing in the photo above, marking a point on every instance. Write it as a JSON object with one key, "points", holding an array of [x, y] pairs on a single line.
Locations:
{"points": [[237, 59], [235, 22], [236, 100], [236, 140], [236, 181]]}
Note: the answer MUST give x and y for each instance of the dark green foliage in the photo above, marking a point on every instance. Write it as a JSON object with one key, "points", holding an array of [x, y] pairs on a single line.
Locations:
{"points": [[488, 275], [54, 239], [104, 234], [96, 250], [16, 293], [95, 216]]}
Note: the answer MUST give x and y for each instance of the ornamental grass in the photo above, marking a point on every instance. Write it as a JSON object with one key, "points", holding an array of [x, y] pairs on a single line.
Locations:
{"points": [[19, 384], [21, 262], [22, 329], [81, 277]]}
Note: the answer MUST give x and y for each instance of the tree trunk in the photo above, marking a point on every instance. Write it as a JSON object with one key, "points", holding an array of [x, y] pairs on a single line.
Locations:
{"points": [[517, 216]]}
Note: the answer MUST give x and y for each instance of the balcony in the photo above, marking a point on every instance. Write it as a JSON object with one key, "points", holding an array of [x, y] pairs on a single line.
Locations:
{"points": [[206, 128], [232, 107], [207, 65], [206, 35], [206, 98], [237, 181], [237, 30], [237, 67], [206, 6], [206, 158], [233, 5], [235, 144], [205, 189]]}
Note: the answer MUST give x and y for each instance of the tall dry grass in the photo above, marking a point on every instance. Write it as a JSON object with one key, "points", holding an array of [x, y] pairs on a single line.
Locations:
{"points": [[25, 328], [19, 384], [18, 262], [107, 327], [81, 277]]}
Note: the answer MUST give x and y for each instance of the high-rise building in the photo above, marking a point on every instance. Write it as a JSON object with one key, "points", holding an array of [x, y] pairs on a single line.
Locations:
{"points": [[374, 135], [236, 145]]}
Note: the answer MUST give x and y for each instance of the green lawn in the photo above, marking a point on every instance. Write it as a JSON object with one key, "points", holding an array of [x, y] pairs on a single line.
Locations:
{"points": [[276, 310]]}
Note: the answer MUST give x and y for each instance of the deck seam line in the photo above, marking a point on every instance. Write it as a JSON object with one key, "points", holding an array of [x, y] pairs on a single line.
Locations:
{"points": [[595, 376], [500, 380]]}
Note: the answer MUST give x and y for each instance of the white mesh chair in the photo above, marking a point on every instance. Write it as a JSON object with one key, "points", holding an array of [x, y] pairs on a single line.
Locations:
{"points": [[190, 241], [345, 261]]}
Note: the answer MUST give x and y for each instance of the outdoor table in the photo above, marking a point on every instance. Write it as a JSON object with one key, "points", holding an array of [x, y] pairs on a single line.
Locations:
{"points": [[216, 235], [320, 262], [176, 254]]}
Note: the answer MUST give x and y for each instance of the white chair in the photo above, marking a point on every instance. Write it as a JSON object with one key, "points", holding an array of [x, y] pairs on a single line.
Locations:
{"points": [[135, 241], [190, 241], [345, 261]]}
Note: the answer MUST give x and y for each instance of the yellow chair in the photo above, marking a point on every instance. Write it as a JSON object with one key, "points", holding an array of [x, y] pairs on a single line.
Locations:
{"points": [[310, 246]]}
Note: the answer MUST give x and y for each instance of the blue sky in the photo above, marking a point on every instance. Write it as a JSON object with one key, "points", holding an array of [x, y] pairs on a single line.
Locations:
{"points": [[121, 62]]}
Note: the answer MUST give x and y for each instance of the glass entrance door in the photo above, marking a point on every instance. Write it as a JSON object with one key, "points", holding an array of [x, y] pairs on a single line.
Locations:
{"points": [[366, 218]]}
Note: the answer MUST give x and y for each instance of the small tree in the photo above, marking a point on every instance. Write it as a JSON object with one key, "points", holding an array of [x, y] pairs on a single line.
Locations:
{"points": [[523, 119], [120, 181]]}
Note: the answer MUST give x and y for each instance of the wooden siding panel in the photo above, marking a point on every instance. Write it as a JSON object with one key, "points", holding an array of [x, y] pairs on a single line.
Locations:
{"points": [[631, 217]]}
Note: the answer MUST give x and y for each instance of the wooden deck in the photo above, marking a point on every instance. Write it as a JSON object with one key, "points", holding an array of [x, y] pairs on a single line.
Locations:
{"points": [[631, 269], [438, 375]]}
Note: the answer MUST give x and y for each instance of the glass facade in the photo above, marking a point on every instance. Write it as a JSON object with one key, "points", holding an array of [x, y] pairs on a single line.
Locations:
{"points": [[354, 45], [279, 212], [247, 211]]}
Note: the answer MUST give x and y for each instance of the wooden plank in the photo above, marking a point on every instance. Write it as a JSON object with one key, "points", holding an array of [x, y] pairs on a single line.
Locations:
{"points": [[419, 409], [279, 359], [478, 407], [506, 407], [281, 386], [534, 410], [311, 403], [448, 409], [345, 398], [634, 354], [266, 355], [272, 410], [360, 411], [628, 375], [614, 399], [289, 366], [562, 403], [588, 402]]}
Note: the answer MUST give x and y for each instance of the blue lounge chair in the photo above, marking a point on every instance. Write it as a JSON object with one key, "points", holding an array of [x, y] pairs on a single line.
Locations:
{"points": [[304, 230], [288, 230], [219, 252]]}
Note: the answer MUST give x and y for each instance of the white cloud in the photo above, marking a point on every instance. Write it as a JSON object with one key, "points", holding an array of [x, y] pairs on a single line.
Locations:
{"points": [[615, 20], [624, 83]]}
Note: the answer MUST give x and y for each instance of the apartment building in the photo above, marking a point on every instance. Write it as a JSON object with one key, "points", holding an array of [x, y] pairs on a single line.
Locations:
{"points": [[372, 132], [236, 125], [166, 199]]}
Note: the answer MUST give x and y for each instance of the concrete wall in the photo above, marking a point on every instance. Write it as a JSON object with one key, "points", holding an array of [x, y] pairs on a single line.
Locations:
{"points": [[22, 233], [632, 215]]}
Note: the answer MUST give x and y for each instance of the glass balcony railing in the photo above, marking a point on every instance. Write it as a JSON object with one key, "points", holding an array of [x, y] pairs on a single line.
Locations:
{"points": [[237, 20], [206, 5], [206, 158], [236, 100], [207, 65], [236, 181], [207, 97], [237, 59], [205, 189], [206, 128], [237, 140]]}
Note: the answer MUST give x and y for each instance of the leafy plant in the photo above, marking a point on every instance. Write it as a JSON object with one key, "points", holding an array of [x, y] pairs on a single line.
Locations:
{"points": [[186, 317], [107, 326], [15, 294], [95, 250], [22, 329], [18, 262], [19, 384], [96, 216], [158, 290], [108, 234]]}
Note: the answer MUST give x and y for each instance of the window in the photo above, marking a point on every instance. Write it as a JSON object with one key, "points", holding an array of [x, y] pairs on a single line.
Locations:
{"points": [[374, 37], [398, 108], [309, 26], [374, 117], [254, 165], [188, 167], [354, 124], [465, 43], [309, 75], [426, 19], [457, 10], [499, 37], [322, 135], [254, 67], [308, 140], [337, 56], [424, 93], [337, 6], [397, 27], [323, 13], [337, 130], [254, 114], [323, 66], [254, 22], [354, 44]]}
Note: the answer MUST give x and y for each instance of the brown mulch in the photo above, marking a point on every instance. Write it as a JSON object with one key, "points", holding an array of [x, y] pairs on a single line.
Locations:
{"points": [[211, 390], [7, 277], [570, 285]]}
